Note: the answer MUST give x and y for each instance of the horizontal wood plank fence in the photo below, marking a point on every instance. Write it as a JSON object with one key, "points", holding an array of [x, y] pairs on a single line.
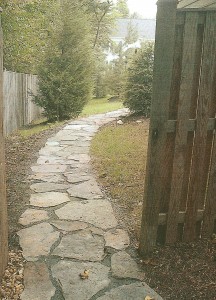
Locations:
{"points": [[180, 189], [19, 109]]}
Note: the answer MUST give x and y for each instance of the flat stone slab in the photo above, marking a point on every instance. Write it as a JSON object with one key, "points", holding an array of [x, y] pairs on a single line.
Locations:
{"points": [[31, 216], [69, 226], [48, 187], [117, 239], [136, 291], [82, 245], [86, 190], [37, 240], [77, 178], [74, 288], [124, 266], [49, 169], [56, 178], [48, 199], [88, 211], [37, 283], [82, 158]]}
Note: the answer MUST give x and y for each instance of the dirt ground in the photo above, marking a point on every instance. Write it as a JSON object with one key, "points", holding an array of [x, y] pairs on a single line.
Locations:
{"points": [[21, 154], [183, 271]]}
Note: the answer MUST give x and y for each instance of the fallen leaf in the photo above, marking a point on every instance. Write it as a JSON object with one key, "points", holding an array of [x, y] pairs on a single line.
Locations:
{"points": [[84, 275], [149, 298]]}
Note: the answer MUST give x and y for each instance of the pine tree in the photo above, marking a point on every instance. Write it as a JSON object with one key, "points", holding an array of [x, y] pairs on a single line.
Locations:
{"points": [[65, 77]]}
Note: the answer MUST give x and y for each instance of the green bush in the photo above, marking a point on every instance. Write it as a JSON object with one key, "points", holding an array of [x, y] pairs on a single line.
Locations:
{"points": [[138, 87], [65, 77]]}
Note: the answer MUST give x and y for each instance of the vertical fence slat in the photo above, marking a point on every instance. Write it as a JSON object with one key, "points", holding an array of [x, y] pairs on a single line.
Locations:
{"points": [[200, 140], [210, 205], [3, 204], [181, 140], [164, 52]]}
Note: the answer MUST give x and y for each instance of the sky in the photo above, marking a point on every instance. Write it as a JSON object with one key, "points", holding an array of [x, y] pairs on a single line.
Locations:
{"points": [[145, 8]]}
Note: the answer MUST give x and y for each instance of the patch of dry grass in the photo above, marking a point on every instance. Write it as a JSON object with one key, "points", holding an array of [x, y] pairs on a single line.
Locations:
{"points": [[119, 156]]}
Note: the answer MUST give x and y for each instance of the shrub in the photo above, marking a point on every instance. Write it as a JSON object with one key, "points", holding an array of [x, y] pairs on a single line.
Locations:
{"points": [[138, 87], [65, 77]]}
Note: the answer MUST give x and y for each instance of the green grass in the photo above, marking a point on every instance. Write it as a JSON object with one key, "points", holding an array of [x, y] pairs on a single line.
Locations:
{"points": [[95, 106], [99, 106], [119, 156], [37, 127]]}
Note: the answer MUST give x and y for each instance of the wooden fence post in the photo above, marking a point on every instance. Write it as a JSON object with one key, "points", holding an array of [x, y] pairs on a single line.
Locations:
{"points": [[3, 204], [163, 68]]}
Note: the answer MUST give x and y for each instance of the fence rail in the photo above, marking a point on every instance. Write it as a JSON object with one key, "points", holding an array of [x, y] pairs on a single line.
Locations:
{"points": [[180, 190], [19, 109]]}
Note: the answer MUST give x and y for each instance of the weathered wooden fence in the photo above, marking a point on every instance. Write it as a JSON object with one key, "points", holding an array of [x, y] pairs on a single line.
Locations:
{"points": [[19, 109], [3, 204], [180, 190]]}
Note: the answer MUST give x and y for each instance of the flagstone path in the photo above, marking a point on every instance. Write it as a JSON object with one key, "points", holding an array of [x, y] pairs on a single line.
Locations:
{"points": [[69, 226]]}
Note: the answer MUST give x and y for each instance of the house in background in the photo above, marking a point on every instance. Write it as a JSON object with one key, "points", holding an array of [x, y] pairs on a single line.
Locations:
{"points": [[143, 29]]}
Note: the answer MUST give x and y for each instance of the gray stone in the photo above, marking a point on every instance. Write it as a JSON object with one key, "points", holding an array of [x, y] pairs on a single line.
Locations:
{"points": [[47, 150], [52, 143], [37, 240], [82, 158], [117, 239], [69, 225], [82, 245], [48, 187], [136, 291], [31, 216], [96, 212], [37, 283], [74, 288], [48, 199], [49, 169], [72, 150], [124, 266], [47, 177], [49, 160], [77, 178], [86, 190]]}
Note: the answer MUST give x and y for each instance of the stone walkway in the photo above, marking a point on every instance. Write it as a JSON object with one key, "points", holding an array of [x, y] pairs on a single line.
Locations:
{"points": [[69, 226]]}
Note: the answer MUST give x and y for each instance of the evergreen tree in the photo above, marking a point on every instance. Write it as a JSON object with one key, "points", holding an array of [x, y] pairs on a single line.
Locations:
{"points": [[65, 76], [138, 88]]}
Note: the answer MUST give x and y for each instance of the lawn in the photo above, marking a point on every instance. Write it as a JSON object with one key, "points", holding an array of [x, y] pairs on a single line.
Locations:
{"points": [[99, 106], [119, 155]]}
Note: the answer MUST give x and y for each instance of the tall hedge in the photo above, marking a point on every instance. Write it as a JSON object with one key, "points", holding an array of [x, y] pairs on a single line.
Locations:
{"points": [[65, 76], [138, 87]]}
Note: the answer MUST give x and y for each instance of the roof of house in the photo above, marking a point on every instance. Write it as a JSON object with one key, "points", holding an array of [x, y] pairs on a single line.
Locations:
{"points": [[202, 4], [145, 28]]}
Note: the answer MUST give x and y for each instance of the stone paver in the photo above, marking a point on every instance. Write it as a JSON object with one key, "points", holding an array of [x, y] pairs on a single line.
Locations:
{"points": [[117, 239], [70, 225], [37, 240], [82, 246], [31, 216], [37, 282], [74, 288], [88, 211], [48, 199], [124, 266], [135, 291], [48, 187]]}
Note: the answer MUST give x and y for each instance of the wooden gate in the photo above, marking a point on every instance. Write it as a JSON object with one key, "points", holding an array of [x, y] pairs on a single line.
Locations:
{"points": [[180, 189]]}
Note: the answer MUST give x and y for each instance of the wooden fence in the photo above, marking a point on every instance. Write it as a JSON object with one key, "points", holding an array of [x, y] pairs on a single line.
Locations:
{"points": [[180, 189], [3, 203], [19, 109]]}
